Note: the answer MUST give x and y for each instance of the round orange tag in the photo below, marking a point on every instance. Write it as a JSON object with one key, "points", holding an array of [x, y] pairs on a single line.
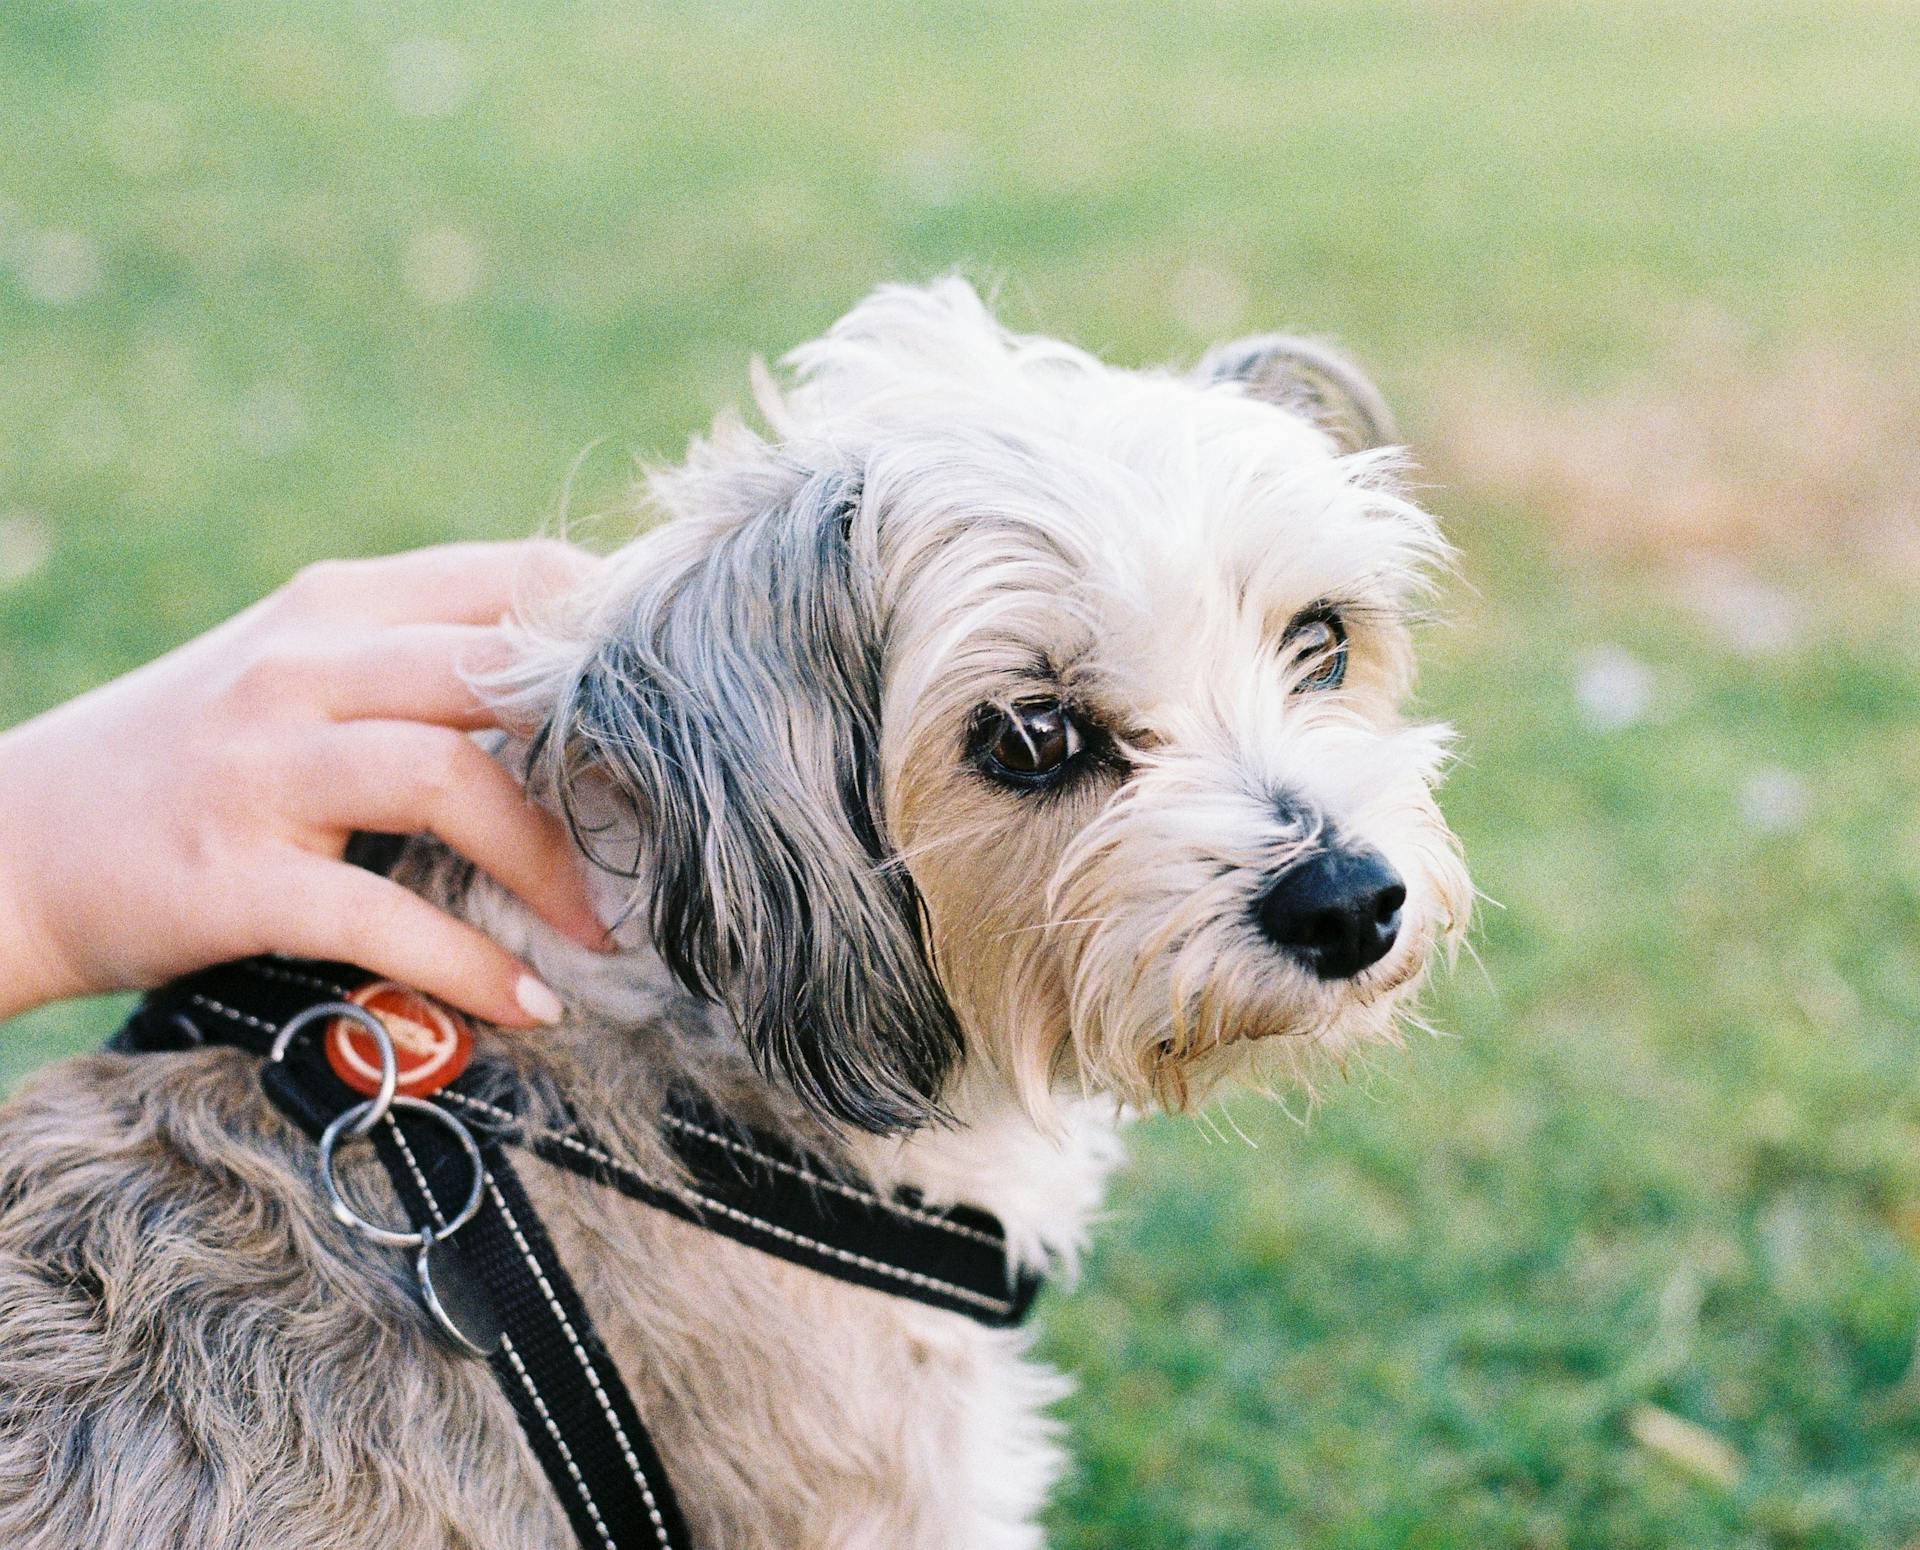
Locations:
{"points": [[431, 1045]]}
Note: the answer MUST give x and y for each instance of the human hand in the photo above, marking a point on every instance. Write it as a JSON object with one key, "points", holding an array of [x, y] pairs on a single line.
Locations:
{"points": [[197, 809]]}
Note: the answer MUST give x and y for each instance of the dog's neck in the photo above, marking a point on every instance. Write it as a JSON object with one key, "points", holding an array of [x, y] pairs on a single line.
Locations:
{"points": [[627, 1011]]}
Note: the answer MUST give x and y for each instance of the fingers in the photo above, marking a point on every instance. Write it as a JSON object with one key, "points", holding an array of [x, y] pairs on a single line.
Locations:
{"points": [[413, 672], [403, 778], [347, 914], [470, 583], [359, 671]]}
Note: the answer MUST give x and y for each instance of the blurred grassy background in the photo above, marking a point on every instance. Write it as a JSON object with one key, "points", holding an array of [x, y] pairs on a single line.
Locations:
{"points": [[1626, 1259]]}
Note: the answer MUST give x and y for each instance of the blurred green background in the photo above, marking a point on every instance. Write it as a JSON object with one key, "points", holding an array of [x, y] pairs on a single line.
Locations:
{"points": [[1626, 1257]]}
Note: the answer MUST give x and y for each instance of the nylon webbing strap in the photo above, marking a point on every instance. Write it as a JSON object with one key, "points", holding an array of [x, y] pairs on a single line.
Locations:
{"points": [[759, 1192], [753, 1188]]}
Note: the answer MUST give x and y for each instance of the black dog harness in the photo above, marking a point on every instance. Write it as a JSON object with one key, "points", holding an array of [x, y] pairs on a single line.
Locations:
{"points": [[484, 1267]]}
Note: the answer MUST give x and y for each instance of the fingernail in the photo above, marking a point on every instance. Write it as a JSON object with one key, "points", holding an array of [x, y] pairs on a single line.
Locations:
{"points": [[538, 1002]]}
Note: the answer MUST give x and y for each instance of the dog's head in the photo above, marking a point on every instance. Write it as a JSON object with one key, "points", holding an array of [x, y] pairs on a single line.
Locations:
{"points": [[1006, 708]]}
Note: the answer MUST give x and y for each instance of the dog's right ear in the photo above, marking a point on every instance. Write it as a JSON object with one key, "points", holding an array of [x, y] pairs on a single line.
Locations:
{"points": [[1309, 379], [728, 690]]}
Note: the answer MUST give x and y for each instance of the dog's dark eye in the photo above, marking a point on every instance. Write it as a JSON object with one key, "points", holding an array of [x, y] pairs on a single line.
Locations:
{"points": [[1027, 742], [1317, 639]]}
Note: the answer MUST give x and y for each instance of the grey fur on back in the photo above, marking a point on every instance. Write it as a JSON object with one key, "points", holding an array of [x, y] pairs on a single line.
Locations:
{"points": [[192, 1353]]}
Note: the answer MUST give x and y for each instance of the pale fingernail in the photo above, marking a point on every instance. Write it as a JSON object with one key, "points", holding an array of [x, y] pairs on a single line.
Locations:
{"points": [[538, 1002]]}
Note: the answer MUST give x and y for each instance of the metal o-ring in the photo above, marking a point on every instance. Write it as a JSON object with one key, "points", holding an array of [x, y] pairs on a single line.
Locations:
{"points": [[375, 1109], [345, 1123]]}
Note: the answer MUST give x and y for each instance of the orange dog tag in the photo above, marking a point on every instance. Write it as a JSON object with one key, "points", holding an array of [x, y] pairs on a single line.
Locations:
{"points": [[431, 1045]]}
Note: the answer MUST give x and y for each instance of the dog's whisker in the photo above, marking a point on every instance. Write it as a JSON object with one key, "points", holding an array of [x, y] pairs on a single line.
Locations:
{"points": [[1057, 924]]}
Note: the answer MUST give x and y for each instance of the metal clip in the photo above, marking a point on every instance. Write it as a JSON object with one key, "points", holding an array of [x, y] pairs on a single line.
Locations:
{"points": [[348, 1123], [456, 1300], [370, 1113]]}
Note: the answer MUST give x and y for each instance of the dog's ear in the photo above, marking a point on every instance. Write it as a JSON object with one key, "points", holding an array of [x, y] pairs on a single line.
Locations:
{"points": [[733, 698], [1310, 379]]}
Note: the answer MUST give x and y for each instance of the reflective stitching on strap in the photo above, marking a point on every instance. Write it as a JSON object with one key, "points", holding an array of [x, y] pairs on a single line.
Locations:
{"points": [[513, 1356], [996, 1305], [224, 1010], [705, 1197], [586, 1366], [275, 972], [999, 1306], [851, 1191], [413, 1167], [553, 1431], [732, 1144]]}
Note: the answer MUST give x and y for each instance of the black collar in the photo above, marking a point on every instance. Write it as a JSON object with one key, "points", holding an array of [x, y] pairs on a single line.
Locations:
{"points": [[493, 1281]]}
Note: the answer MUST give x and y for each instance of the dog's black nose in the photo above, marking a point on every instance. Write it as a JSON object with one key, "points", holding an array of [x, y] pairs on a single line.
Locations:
{"points": [[1336, 911]]}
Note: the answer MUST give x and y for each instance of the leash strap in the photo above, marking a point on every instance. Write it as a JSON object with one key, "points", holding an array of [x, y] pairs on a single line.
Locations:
{"points": [[489, 1273]]}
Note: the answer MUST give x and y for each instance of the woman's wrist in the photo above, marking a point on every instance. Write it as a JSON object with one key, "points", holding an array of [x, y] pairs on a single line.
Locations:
{"points": [[33, 970]]}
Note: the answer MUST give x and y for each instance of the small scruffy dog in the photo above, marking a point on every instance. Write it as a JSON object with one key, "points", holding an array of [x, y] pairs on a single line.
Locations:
{"points": [[1004, 741]]}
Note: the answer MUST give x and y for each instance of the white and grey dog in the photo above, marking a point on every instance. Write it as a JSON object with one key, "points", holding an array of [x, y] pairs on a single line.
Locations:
{"points": [[1001, 741]]}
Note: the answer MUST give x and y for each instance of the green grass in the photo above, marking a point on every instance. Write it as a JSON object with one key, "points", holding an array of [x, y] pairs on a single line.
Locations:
{"points": [[1668, 1154]]}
